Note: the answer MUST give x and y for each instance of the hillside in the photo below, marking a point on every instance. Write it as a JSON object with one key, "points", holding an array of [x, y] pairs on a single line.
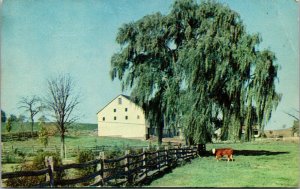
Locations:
{"points": [[281, 132]]}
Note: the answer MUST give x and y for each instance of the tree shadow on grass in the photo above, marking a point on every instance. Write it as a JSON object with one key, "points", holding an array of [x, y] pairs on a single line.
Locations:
{"points": [[257, 152], [148, 180], [248, 153], [159, 174]]}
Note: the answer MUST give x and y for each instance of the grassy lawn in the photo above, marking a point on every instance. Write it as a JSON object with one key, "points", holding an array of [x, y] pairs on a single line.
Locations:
{"points": [[257, 164], [261, 166]]}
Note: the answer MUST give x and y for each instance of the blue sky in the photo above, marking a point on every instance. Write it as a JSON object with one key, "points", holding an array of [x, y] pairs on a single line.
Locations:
{"points": [[40, 38]]}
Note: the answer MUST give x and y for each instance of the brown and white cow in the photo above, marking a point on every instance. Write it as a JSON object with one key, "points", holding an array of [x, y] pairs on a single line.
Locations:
{"points": [[222, 152]]}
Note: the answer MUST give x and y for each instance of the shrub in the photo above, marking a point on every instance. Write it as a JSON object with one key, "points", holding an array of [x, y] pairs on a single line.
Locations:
{"points": [[15, 156], [27, 181], [9, 125], [39, 159], [19, 153], [37, 164], [43, 136], [83, 157], [264, 135], [11, 158]]}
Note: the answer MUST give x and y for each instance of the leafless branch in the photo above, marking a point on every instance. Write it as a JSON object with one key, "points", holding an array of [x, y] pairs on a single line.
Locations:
{"points": [[31, 105], [61, 101], [297, 118]]}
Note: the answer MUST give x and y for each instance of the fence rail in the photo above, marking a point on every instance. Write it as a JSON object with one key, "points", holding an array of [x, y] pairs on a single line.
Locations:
{"points": [[129, 169], [18, 136]]}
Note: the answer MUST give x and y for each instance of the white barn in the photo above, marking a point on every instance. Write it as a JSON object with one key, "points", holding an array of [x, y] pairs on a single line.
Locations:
{"points": [[122, 118]]}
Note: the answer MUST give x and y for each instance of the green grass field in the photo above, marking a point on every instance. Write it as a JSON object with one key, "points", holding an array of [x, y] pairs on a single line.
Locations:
{"points": [[78, 141], [80, 136], [257, 164], [261, 164]]}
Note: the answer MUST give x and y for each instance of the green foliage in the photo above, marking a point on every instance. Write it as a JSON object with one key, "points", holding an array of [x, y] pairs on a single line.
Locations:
{"points": [[83, 157], [15, 156], [151, 147], [21, 120], [195, 65], [44, 136], [3, 116], [24, 182], [39, 159], [13, 118], [42, 120], [115, 152], [295, 128], [38, 164], [9, 125]]}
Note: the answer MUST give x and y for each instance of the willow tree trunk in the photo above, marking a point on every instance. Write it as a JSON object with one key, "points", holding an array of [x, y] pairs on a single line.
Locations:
{"points": [[159, 131]]}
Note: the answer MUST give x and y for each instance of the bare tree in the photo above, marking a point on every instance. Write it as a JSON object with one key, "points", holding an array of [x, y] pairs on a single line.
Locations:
{"points": [[32, 105], [292, 115], [295, 127], [61, 101]]}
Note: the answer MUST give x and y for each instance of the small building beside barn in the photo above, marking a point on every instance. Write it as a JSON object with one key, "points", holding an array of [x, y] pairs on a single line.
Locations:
{"points": [[122, 118]]}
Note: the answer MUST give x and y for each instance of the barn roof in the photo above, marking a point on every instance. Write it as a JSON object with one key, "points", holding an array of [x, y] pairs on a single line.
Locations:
{"points": [[125, 96]]}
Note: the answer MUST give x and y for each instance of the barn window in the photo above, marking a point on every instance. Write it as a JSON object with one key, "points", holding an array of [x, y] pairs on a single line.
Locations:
{"points": [[126, 109], [138, 117], [115, 118], [115, 110], [120, 100], [126, 117], [103, 119]]}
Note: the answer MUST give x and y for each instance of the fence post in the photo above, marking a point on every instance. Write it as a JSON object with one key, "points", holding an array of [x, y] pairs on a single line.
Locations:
{"points": [[157, 158], [167, 155], [186, 152], [178, 154], [175, 153], [145, 161], [49, 164], [201, 149], [102, 157], [98, 170], [127, 167], [195, 151]]}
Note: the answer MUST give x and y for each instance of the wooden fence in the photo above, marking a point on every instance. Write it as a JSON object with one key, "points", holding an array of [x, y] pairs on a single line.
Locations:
{"points": [[129, 170], [20, 136]]}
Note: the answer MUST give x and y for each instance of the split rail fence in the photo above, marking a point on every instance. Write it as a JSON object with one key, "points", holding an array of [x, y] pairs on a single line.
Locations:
{"points": [[128, 170]]}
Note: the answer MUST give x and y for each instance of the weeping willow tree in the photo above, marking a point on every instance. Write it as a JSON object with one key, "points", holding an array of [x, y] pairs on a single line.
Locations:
{"points": [[145, 64], [224, 70], [198, 68]]}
